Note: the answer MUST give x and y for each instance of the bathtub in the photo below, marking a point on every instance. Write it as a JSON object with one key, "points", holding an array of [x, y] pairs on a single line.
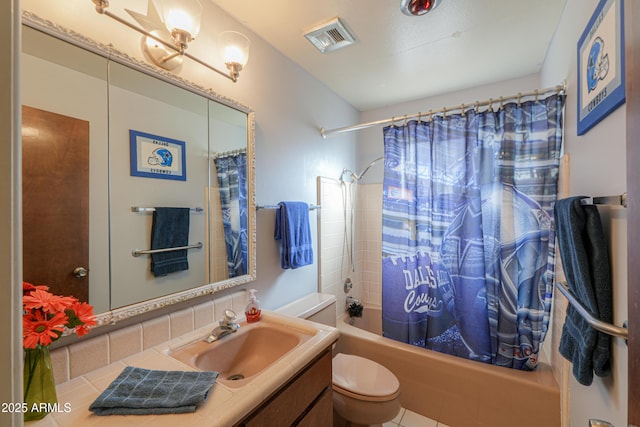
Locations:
{"points": [[453, 390]]}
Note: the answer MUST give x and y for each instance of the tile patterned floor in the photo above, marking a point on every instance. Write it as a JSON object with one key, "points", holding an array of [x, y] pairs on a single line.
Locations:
{"points": [[407, 418]]}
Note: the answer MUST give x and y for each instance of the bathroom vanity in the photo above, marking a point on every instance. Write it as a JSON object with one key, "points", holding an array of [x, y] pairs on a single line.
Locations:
{"points": [[292, 389], [303, 401]]}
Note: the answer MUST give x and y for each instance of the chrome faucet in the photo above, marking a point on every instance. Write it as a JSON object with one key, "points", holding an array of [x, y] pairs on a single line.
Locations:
{"points": [[226, 326], [352, 300]]}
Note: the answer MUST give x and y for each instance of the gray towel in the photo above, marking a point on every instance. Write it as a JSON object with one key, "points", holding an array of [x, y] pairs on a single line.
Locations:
{"points": [[586, 264], [138, 391], [170, 229]]}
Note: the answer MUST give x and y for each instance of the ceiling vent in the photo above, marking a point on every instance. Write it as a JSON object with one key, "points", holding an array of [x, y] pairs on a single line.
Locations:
{"points": [[330, 36]]}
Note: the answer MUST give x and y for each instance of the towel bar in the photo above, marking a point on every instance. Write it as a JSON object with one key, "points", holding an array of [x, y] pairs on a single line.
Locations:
{"points": [[618, 200], [311, 207], [140, 209], [138, 252], [607, 328]]}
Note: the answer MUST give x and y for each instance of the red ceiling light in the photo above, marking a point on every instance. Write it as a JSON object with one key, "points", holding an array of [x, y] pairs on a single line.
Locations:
{"points": [[418, 7]]}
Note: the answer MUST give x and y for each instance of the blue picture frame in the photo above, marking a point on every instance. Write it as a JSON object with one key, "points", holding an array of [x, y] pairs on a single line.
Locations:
{"points": [[601, 62], [154, 156]]}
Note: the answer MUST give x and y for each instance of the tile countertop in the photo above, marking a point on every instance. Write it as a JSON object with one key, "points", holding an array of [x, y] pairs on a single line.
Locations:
{"points": [[224, 407]]}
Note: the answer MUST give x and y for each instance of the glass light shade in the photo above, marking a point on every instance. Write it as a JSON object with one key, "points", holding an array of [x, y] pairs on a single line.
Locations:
{"points": [[235, 47], [182, 15]]}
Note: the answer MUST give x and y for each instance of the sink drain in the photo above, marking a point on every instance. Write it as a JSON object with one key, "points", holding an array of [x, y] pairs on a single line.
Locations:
{"points": [[235, 377]]}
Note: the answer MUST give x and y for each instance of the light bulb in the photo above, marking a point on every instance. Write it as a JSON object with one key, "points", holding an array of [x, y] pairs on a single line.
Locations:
{"points": [[182, 15], [235, 47]]}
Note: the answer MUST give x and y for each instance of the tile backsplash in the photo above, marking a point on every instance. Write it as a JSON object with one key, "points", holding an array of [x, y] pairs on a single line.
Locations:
{"points": [[89, 354]]}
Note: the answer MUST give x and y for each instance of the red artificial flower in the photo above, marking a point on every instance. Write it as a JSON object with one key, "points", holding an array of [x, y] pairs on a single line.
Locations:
{"points": [[28, 287], [81, 318], [47, 316], [38, 329], [47, 302]]}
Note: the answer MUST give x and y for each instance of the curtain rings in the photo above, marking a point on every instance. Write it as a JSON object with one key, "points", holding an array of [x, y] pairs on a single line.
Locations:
{"points": [[519, 98], [430, 115], [475, 107], [462, 109], [491, 105], [536, 92], [501, 103], [393, 122], [405, 119], [419, 117], [444, 113]]}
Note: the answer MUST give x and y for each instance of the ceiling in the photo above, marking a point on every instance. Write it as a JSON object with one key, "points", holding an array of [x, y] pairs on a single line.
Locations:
{"points": [[398, 58]]}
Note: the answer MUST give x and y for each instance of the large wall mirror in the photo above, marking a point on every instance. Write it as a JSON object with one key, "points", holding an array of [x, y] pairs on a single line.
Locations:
{"points": [[108, 144]]}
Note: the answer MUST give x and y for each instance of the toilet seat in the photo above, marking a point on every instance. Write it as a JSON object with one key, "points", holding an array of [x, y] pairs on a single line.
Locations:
{"points": [[363, 379]]}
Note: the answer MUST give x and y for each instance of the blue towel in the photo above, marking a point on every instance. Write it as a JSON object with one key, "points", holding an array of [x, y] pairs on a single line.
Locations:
{"points": [[292, 229], [586, 264], [170, 229], [138, 391]]}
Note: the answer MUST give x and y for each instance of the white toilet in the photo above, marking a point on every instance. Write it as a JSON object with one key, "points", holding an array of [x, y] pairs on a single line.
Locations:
{"points": [[364, 392]]}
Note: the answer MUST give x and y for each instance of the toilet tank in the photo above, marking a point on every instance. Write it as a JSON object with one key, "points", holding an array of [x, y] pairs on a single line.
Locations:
{"points": [[316, 307]]}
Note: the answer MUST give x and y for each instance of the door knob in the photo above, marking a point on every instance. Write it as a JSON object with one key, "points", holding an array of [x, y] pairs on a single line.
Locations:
{"points": [[80, 272]]}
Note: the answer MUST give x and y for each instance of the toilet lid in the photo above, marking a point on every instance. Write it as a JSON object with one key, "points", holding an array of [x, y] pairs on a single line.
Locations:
{"points": [[363, 377]]}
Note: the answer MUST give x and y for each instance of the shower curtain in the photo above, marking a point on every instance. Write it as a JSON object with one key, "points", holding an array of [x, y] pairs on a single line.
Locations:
{"points": [[232, 182], [468, 236]]}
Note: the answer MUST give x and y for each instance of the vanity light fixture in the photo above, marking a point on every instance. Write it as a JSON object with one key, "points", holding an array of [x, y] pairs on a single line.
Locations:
{"points": [[182, 21]]}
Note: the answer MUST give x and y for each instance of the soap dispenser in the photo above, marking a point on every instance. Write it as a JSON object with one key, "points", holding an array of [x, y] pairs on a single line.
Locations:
{"points": [[253, 311]]}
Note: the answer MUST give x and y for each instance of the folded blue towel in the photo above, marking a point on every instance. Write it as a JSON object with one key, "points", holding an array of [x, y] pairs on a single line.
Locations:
{"points": [[585, 260], [292, 229], [170, 229], [138, 391]]}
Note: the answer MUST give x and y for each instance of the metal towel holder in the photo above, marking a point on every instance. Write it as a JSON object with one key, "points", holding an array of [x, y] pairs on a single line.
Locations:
{"points": [[138, 252], [607, 328]]}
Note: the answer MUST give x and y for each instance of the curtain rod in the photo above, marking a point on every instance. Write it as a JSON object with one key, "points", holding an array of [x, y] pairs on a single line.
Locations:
{"points": [[462, 107]]}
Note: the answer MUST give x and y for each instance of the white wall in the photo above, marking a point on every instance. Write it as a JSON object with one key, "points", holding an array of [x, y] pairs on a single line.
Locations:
{"points": [[598, 167], [290, 106]]}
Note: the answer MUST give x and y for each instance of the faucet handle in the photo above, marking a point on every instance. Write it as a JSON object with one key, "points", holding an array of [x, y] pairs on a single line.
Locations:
{"points": [[229, 317]]}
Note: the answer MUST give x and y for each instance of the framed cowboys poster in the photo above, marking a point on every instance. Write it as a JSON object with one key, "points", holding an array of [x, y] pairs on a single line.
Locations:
{"points": [[601, 73]]}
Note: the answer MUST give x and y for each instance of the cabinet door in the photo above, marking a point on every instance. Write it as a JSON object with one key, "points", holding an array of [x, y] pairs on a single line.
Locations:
{"points": [[321, 414], [295, 398]]}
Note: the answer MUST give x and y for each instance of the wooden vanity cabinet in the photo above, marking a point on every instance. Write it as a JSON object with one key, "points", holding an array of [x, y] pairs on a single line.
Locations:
{"points": [[306, 400]]}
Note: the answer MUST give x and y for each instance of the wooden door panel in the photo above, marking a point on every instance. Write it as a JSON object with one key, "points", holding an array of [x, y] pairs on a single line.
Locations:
{"points": [[55, 201]]}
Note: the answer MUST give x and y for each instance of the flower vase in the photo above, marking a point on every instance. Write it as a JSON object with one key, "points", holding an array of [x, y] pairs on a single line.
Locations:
{"points": [[39, 385]]}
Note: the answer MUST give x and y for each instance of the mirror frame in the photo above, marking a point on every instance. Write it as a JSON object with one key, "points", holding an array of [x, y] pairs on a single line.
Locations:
{"points": [[109, 52]]}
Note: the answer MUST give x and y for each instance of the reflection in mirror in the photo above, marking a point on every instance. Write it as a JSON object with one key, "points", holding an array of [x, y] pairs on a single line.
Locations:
{"points": [[128, 106], [229, 167], [147, 105], [62, 83]]}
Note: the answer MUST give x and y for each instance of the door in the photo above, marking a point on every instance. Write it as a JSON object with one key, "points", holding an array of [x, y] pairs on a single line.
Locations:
{"points": [[55, 202], [632, 41]]}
